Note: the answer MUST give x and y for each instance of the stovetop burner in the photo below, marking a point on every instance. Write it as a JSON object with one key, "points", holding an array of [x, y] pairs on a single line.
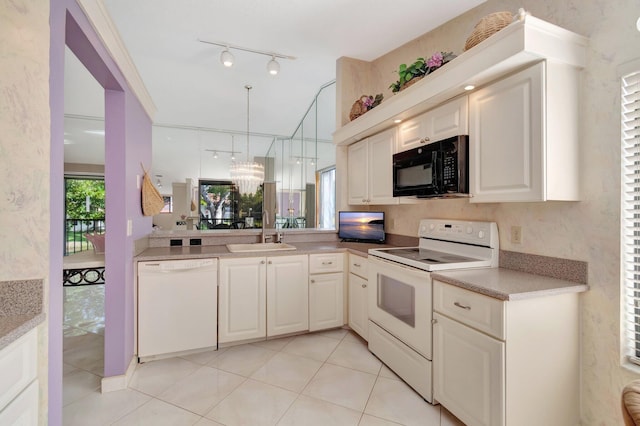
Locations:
{"points": [[448, 244], [427, 256]]}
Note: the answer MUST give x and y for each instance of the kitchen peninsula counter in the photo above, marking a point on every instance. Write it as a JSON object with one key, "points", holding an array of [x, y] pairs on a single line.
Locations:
{"points": [[508, 284], [20, 309]]}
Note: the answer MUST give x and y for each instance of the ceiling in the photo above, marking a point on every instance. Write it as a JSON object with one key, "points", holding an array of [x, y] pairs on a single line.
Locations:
{"points": [[189, 85]]}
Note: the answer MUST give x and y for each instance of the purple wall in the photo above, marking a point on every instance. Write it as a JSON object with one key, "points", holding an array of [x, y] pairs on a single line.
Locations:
{"points": [[127, 144]]}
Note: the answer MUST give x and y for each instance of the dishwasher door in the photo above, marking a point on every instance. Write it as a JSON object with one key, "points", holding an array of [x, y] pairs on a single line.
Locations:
{"points": [[177, 306]]}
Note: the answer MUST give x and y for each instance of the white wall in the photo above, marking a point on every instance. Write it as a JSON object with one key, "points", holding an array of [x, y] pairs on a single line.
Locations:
{"points": [[586, 230]]}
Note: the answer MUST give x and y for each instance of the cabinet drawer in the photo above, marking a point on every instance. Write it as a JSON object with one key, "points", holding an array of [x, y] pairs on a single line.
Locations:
{"points": [[18, 366], [329, 262], [475, 310], [358, 265]]}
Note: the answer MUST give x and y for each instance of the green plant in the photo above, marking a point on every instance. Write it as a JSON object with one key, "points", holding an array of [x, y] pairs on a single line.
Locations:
{"points": [[408, 73], [420, 68]]}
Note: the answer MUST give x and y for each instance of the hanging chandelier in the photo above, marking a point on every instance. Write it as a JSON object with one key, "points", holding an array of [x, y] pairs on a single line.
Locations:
{"points": [[247, 176]]}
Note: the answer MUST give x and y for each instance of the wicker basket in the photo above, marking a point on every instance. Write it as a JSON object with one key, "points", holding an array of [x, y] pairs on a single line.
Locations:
{"points": [[410, 83], [152, 201], [358, 108], [488, 26]]}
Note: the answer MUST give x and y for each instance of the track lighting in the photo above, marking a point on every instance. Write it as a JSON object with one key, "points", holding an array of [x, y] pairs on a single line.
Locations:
{"points": [[273, 66], [226, 58]]}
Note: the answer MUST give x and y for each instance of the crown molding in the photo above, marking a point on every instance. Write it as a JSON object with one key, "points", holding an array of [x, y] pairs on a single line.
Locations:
{"points": [[101, 22]]}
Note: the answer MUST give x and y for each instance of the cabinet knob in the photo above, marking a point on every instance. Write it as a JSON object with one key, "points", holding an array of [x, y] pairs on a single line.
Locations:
{"points": [[425, 140], [459, 305], [313, 281], [270, 262], [262, 262], [434, 321], [364, 286], [357, 265], [327, 263], [364, 200]]}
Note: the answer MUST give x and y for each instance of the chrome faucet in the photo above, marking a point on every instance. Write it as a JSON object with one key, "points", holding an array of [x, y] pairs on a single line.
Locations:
{"points": [[265, 221]]}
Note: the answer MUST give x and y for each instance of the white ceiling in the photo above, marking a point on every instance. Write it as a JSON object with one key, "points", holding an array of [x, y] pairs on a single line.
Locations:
{"points": [[189, 85]]}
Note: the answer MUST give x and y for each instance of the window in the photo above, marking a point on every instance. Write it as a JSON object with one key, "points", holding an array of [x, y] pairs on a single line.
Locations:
{"points": [[327, 198], [631, 212]]}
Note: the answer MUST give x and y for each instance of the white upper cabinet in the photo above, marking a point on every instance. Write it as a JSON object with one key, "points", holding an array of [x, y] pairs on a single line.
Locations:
{"points": [[443, 122], [523, 137], [370, 169]]}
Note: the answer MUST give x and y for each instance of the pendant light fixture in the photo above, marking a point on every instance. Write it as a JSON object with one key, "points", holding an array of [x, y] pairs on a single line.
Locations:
{"points": [[249, 175]]}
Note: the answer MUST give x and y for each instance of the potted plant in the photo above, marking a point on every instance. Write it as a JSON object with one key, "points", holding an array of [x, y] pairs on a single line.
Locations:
{"points": [[408, 75]]}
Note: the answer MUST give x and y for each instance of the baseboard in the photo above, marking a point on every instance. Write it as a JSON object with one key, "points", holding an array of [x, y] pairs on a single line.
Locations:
{"points": [[115, 383]]}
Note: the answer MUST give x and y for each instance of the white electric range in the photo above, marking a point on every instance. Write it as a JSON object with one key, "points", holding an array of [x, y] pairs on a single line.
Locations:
{"points": [[400, 295]]}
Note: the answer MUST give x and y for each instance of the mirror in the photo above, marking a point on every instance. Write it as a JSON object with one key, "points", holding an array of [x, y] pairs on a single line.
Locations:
{"points": [[221, 206], [301, 167]]}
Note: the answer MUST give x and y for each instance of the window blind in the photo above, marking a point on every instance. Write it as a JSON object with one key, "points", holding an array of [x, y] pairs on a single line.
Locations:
{"points": [[631, 213]]}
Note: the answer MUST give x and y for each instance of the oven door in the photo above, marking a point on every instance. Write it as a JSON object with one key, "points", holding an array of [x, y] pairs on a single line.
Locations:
{"points": [[400, 302]]}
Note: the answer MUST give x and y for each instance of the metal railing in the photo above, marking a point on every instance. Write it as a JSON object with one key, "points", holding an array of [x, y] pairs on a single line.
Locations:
{"points": [[74, 231]]}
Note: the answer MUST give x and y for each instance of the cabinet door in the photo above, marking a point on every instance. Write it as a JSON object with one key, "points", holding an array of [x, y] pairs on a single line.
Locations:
{"points": [[358, 173], [242, 299], [326, 306], [287, 294], [380, 168], [23, 410], [469, 373], [411, 133], [358, 309], [448, 120], [506, 147], [445, 121]]}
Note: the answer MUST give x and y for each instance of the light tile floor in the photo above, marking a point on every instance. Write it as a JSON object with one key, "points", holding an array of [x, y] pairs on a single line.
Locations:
{"points": [[324, 378]]}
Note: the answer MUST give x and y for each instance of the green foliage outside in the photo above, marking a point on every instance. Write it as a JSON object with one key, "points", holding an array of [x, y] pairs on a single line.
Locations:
{"points": [[77, 191]]}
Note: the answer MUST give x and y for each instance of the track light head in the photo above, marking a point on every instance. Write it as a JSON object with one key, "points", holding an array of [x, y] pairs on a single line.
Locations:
{"points": [[226, 58], [273, 66]]}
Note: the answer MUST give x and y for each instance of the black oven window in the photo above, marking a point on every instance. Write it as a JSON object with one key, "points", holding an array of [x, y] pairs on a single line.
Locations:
{"points": [[397, 299]]}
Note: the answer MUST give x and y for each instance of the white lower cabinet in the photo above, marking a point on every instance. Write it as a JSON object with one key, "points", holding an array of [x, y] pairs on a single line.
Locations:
{"points": [[242, 298], [262, 297], [18, 383], [287, 294], [513, 363], [468, 372], [326, 291], [358, 296], [326, 301]]}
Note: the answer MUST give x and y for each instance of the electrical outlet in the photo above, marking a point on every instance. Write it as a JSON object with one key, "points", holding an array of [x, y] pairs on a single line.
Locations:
{"points": [[516, 234]]}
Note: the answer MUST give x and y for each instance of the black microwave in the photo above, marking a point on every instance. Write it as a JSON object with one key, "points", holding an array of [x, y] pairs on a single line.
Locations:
{"points": [[438, 169]]}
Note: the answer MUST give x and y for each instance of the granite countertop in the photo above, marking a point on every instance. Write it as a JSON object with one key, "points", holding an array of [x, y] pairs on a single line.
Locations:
{"points": [[198, 252], [507, 284], [20, 309]]}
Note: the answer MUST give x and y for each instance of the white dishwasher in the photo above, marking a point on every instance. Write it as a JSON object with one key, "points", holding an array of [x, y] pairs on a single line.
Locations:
{"points": [[177, 306]]}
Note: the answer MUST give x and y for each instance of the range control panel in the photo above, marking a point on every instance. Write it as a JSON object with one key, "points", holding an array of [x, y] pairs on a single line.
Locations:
{"points": [[468, 232]]}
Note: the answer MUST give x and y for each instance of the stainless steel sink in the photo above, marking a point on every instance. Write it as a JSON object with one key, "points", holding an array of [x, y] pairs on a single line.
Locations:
{"points": [[246, 248]]}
